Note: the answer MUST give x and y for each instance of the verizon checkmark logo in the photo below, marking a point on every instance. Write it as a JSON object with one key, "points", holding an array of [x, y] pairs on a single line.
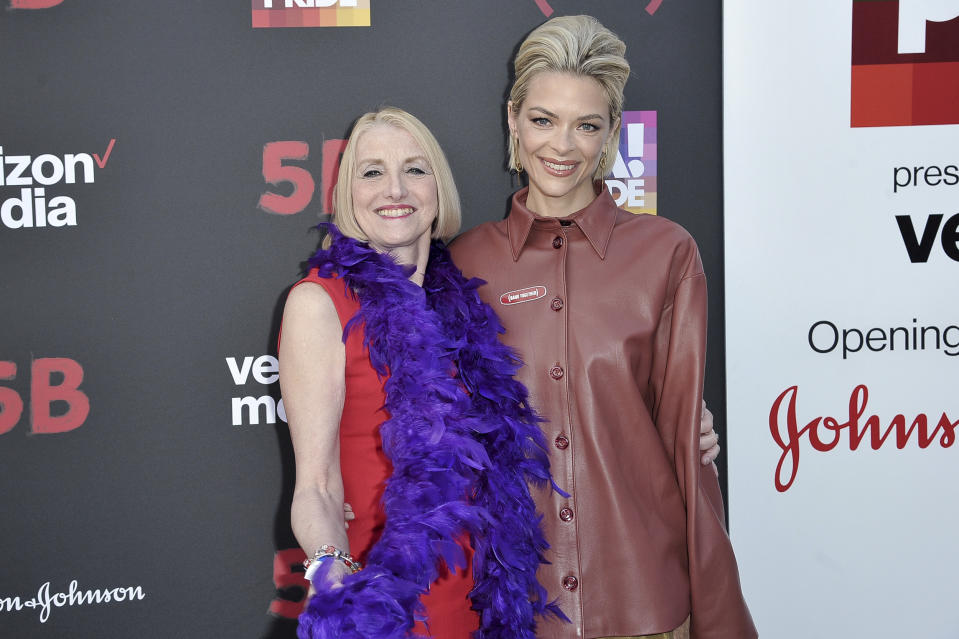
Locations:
{"points": [[102, 162]]}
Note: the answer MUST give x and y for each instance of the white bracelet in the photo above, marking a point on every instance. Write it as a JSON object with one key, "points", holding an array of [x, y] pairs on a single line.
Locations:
{"points": [[314, 566], [327, 551]]}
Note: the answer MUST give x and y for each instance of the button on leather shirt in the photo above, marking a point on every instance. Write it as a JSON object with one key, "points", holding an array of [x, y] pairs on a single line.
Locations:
{"points": [[608, 311]]}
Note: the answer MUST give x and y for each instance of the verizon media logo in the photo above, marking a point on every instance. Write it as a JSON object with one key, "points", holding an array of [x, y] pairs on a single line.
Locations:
{"points": [[251, 410], [28, 193], [45, 601]]}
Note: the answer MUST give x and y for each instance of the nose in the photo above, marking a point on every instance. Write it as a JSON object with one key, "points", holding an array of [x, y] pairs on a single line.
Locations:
{"points": [[396, 185], [562, 140]]}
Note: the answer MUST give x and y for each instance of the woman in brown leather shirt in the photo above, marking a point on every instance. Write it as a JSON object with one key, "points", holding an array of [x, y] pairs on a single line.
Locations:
{"points": [[608, 310]]}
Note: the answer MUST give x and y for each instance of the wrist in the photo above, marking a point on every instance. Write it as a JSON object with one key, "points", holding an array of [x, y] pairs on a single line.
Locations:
{"points": [[327, 553]]}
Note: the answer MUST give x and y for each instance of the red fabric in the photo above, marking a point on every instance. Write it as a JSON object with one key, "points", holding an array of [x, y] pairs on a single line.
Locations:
{"points": [[365, 469]]}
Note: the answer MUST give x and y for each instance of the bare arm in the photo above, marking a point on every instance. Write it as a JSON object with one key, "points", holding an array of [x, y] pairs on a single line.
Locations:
{"points": [[313, 382]]}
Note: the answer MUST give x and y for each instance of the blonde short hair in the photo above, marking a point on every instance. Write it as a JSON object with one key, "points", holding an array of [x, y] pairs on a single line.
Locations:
{"points": [[582, 46], [448, 217]]}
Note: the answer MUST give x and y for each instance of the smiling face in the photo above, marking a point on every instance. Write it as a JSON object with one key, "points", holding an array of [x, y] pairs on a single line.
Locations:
{"points": [[561, 126], [394, 191]]}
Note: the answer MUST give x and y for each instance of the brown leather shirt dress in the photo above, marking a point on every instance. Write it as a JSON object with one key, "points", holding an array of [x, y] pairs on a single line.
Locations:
{"points": [[608, 311]]}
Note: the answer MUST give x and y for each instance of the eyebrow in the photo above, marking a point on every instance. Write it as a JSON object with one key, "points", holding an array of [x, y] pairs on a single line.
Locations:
{"points": [[414, 158], [591, 116]]}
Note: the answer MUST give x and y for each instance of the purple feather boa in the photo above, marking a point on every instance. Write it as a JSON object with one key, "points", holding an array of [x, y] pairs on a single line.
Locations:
{"points": [[461, 460]]}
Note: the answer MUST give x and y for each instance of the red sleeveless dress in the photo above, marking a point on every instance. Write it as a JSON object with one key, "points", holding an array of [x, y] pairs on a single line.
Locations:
{"points": [[365, 469]]}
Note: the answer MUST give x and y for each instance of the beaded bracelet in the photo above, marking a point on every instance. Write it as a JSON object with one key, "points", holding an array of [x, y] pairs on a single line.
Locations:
{"points": [[325, 552]]}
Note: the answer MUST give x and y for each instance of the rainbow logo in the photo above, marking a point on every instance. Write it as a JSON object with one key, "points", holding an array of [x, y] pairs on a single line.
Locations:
{"points": [[632, 181], [310, 13]]}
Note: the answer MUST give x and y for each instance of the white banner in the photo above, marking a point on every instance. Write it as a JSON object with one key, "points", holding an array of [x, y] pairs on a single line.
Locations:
{"points": [[842, 316]]}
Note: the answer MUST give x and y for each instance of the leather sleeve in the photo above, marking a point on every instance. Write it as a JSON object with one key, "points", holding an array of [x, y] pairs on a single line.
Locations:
{"points": [[718, 609]]}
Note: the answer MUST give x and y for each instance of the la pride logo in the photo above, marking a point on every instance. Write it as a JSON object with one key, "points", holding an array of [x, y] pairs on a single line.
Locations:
{"points": [[905, 62]]}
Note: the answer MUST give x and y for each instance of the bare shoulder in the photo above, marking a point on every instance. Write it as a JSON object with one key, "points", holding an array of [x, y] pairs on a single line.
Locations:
{"points": [[308, 297], [309, 319]]}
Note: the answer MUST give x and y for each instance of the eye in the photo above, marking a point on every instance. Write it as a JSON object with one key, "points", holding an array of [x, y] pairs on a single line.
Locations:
{"points": [[371, 173], [415, 170], [589, 127], [540, 121]]}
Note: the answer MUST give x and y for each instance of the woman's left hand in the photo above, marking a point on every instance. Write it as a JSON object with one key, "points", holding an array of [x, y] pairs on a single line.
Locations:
{"points": [[708, 440]]}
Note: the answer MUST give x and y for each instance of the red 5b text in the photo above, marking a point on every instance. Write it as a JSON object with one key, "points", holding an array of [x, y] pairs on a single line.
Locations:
{"points": [[57, 404]]}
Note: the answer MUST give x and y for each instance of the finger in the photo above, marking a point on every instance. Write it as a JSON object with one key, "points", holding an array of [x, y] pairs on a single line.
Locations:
{"points": [[706, 423], [710, 455], [708, 440], [716, 469]]}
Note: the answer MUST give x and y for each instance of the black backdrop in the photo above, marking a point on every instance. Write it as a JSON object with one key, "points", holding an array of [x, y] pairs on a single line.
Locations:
{"points": [[171, 268]]}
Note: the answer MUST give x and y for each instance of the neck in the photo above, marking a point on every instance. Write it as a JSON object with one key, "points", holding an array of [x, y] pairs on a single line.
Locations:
{"points": [[416, 254], [547, 205]]}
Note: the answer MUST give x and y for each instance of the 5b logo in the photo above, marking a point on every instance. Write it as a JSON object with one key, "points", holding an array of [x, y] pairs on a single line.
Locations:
{"points": [[57, 404], [276, 173], [34, 4]]}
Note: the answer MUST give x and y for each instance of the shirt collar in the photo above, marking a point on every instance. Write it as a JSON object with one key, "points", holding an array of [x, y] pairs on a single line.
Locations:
{"points": [[596, 221]]}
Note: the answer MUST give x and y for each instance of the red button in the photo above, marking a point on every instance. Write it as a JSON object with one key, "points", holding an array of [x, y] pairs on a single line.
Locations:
{"points": [[566, 514], [570, 583], [556, 304], [557, 242], [556, 372], [562, 442]]}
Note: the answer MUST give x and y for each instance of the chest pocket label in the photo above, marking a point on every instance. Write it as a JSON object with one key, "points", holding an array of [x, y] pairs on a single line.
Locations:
{"points": [[519, 296]]}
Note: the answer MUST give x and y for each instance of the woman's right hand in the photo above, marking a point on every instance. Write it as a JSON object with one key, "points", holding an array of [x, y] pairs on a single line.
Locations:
{"points": [[330, 577], [312, 361]]}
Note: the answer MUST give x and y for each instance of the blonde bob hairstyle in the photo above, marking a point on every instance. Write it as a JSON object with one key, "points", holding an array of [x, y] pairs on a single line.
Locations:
{"points": [[579, 45], [448, 217]]}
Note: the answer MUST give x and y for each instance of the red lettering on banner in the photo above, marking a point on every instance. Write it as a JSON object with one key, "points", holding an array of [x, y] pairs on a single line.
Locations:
{"points": [[34, 4], [544, 7], [547, 10], [284, 577], [276, 173], [11, 406], [788, 436], [106, 154], [43, 393], [332, 152]]}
